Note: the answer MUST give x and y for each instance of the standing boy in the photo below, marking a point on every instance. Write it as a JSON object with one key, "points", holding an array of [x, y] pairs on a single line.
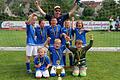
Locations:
{"points": [[54, 31], [31, 48]]}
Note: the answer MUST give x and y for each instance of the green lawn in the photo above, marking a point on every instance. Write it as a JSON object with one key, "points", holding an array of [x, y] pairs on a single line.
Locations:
{"points": [[101, 38], [101, 66]]}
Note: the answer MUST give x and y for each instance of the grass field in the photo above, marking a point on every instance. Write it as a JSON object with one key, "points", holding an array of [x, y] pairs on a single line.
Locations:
{"points": [[101, 66], [101, 38]]}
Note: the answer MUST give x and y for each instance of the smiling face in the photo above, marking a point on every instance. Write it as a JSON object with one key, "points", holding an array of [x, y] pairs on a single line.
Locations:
{"points": [[57, 43], [34, 20], [41, 52], [53, 22], [57, 12], [67, 23], [42, 23], [78, 44]]}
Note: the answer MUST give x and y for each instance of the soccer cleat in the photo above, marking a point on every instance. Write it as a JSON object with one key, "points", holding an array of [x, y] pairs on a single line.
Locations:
{"points": [[83, 71], [29, 71], [75, 74]]}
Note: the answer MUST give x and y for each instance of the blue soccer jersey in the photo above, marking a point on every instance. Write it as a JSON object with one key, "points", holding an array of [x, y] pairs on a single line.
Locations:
{"points": [[81, 35], [57, 54], [68, 32], [41, 34], [54, 33], [30, 31], [44, 61]]}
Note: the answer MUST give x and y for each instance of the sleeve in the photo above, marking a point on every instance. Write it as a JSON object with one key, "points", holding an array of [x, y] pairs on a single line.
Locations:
{"points": [[27, 26], [36, 61], [65, 16], [70, 48], [36, 31], [48, 31], [48, 17], [47, 60], [50, 49], [63, 47], [60, 29], [89, 45]]}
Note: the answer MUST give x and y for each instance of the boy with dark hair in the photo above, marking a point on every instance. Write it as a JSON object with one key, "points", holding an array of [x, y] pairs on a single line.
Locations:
{"points": [[54, 31]]}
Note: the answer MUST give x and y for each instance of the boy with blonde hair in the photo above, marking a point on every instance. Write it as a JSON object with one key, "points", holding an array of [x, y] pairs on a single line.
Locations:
{"points": [[42, 63], [56, 52]]}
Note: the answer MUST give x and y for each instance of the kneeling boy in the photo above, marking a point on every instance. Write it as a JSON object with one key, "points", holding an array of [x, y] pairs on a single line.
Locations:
{"points": [[42, 63]]}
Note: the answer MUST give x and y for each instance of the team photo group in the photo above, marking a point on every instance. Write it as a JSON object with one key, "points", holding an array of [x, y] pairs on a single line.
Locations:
{"points": [[50, 45]]}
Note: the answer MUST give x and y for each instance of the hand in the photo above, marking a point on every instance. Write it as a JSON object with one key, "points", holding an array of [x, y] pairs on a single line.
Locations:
{"points": [[91, 36], [32, 15], [73, 18], [67, 38], [38, 66], [36, 3], [46, 68], [48, 39]]}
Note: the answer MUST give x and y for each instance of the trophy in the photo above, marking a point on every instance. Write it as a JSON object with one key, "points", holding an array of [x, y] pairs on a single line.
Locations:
{"points": [[79, 3], [59, 69]]}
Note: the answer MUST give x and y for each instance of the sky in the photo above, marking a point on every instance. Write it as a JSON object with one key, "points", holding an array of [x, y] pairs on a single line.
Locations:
{"points": [[92, 0], [95, 0]]}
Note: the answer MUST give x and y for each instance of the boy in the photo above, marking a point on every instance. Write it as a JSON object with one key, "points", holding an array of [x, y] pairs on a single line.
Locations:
{"points": [[67, 31], [31, 48], [80, 32], [56, 54], [41, 33], [54, 31], [42, 63], [79, 57]]}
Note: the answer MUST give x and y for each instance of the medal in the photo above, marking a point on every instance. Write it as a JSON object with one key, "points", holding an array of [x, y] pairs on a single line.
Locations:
{"points": [[55, 32]]}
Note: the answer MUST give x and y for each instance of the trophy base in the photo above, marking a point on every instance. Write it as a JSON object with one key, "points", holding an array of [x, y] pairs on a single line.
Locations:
{"points": [[59, 78]]}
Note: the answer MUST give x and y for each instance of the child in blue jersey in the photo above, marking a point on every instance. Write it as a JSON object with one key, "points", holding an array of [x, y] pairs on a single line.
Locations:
{"points": [[31, 48], [54, 30], [80, 32], [42, 63], [41, 34], [56, 54], [67, 31]]}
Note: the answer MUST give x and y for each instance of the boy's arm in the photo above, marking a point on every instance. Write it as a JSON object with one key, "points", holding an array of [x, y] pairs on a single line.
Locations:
{"points": [[39, 8], [91, 43], [37, 65], [48, 62], [69, 47], [47, 42], [73, 9]]}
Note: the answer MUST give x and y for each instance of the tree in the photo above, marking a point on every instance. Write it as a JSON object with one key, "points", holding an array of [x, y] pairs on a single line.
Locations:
{"points": [[88, 11], [1, 5], [110, 8]]}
